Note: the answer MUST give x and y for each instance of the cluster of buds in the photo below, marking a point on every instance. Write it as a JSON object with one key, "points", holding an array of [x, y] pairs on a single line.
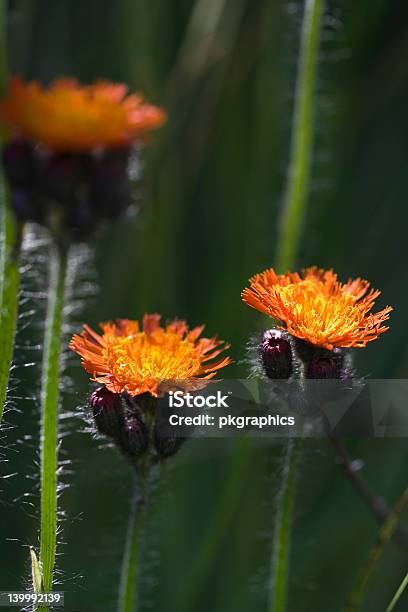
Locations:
{"points": [[319, 320], [69, 193], [138, 365], [282, 356], [304, 375], [132, 424]]}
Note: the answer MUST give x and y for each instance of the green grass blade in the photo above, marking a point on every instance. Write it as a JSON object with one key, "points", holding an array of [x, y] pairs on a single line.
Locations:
{"points": [[398, 594], [386, 532], [302, 138], [49, 414], [283, 526]]}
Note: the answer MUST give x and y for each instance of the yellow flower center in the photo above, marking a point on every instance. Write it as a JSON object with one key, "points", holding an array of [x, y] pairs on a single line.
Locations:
{"points": [[318, 314], [160, 355]]}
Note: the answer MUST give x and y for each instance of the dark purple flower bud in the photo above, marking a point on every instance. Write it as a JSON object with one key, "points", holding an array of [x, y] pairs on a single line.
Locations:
{"points": [[111, 190], [62, 177], [107, 412], [19, 162], [134, 437], [166, 446], [276, 354], [324, 367]]}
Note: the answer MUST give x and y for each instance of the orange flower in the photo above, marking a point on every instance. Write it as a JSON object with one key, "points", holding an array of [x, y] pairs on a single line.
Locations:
{"points": [[71, 117], [126, 359], [316, 307]]}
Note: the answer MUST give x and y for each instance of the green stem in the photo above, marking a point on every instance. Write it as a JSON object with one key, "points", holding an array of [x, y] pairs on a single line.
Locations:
{"points": [[128, 590], [397, 596], [302, 138], [283, 526], [287, 248], [357, 596], [9, 271], [49, 414], [9, 289]]}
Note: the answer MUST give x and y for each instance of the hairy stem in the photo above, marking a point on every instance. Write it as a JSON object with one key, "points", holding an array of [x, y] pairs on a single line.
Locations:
{"points": [[10, 244], [283, 526], [377, 504], [287, 249], [49, 414], [302, 138], [385, 535], [9, 290], [128, 589]]}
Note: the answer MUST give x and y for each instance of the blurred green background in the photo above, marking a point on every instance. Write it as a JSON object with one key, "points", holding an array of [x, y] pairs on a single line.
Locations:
{"points": [[212, 190]]}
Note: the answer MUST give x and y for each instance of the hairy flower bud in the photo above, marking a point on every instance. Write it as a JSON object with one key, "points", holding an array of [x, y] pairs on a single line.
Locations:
{"points": [[61, 177], [134, 437], [323, 367], [326, 365], [107, 412], [166, 446], [109, 182], [276, 354]]}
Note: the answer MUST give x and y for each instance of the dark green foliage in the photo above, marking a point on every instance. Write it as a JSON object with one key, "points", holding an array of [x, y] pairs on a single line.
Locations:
{"points": [[212, 186]]}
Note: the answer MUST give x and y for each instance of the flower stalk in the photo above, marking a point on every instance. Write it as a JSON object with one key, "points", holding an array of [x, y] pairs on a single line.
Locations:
{"points": [[287, 249], [49, 415], [9, 291], [283, 526], [128, 587], [302, 137], [10, 244]]}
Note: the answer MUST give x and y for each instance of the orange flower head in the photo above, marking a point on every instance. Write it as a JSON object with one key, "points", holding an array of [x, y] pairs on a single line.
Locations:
{"points": [[70, 117], [128, 359], [314, 306]]}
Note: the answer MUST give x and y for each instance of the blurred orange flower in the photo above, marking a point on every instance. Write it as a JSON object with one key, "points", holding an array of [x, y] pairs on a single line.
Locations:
{"points": [[317, 308], [71, 117], [127, 359]]}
